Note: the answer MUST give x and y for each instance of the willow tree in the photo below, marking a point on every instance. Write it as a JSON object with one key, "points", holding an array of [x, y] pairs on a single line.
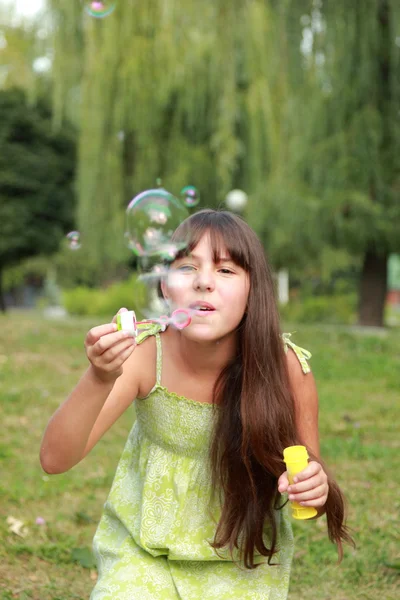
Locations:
{"points": [[227, 94], [346, 143], [194, 95]]}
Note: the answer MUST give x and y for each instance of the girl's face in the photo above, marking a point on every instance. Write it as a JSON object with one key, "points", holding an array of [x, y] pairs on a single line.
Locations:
{"points": [[216, 293]]}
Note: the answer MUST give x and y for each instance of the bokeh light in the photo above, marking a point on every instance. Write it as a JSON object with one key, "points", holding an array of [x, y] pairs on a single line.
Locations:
{"points": [[236, 200]]}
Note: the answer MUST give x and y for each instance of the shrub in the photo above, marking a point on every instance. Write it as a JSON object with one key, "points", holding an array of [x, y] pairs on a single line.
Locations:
{"points": [[321, 309], [105, 302]]}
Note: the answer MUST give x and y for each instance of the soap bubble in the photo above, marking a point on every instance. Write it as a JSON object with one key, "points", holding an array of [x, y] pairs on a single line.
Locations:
{"points": [[152, 217], [190, 196], [176, 279], [236, 200], [99, 9], [157, 273], [74, 240]]}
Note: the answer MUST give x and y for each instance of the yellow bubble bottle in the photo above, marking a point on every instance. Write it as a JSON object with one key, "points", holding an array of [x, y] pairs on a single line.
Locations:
{"points": [[296, 459]]}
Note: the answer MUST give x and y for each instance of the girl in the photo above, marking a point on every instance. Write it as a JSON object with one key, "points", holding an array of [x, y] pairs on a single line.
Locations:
{"points": [[196, 509]]}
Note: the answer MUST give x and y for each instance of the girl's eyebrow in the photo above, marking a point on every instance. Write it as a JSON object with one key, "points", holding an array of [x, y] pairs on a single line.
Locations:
{"points": [[197, 257]]}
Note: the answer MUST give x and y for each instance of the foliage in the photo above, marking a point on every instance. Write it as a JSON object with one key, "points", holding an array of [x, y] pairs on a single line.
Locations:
{"points": [[36, 179], [106, 302], [321, 309], [346, 141], [296, 102]]}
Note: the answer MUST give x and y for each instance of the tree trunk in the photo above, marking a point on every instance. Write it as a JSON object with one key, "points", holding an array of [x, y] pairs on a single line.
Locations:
{"points": [[373, 290], [2, 299]]}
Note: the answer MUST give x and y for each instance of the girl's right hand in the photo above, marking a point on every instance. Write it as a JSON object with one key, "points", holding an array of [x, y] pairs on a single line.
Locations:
{"points": [[108, 349]]}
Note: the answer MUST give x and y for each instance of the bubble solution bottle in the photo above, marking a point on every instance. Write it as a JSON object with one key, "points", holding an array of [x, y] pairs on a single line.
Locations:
{"points": [[296, 459]]}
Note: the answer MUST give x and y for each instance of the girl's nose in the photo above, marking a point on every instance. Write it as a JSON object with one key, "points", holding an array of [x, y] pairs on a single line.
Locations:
{"points": [[204, 282]]}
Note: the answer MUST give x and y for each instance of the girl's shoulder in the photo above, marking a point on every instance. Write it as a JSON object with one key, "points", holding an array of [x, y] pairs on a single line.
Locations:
{"points": [[146, 330], [302, 354]]}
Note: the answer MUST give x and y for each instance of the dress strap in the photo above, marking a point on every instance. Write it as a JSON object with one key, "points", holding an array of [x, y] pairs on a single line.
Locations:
{"points": [[145, 330], [159, 358], [302, 354]]}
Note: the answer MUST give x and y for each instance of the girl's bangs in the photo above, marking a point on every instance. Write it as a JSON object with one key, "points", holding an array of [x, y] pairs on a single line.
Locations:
{"points": [[227, 236]]}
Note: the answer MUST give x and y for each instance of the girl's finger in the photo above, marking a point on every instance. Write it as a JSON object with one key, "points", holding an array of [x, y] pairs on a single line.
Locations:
{"points": [[314, 494], [314, 503], [114, 352], [122, 357], [120, 311], [97, 332], [312, 469], [283, 482], [308, 484], [107, 341]]}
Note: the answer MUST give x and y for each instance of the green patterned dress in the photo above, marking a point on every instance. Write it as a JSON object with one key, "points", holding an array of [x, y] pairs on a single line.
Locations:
{"points": [[152, 541]]}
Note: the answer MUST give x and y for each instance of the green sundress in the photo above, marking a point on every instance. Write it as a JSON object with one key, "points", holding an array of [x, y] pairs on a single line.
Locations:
{"points": [[152, 542]]}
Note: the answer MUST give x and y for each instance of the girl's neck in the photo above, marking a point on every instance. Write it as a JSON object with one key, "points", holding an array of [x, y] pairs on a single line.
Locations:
{"points": [[202, 358]]}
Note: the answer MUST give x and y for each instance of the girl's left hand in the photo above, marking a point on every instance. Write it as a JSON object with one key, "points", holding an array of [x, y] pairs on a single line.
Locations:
{"points": [[310, 487]]}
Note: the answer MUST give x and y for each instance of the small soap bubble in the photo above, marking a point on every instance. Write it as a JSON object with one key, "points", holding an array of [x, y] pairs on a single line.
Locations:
{"points": [[236, 200], [99, 9], [152, 217], [190, 196], [74, 240]]}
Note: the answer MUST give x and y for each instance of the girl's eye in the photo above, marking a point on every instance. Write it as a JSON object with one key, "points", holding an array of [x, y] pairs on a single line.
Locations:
{"points": [[185, 268], [226, 271]]}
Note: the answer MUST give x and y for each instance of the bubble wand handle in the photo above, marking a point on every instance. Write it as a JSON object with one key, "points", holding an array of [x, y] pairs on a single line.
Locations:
{"points": [[296, 459], [180, 318], [126, 321]]}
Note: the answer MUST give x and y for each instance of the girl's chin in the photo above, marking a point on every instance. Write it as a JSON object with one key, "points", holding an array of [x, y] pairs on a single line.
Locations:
{"points": [[201, 333]]}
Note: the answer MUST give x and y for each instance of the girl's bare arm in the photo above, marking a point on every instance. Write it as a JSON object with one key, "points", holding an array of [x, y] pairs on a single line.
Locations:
{"points": [[311, 486], [106, 389]]}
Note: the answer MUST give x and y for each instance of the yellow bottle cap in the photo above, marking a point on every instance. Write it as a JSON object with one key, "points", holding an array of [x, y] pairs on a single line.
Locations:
{"points": [[295, 454]]}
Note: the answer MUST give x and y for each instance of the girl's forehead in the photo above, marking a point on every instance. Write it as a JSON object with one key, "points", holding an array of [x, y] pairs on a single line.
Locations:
{"points": [[210, 245]]}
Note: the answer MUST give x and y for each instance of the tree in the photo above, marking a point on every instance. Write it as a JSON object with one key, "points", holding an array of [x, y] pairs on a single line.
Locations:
{"points": [[164, 91], [292, 100], [346, 139], [36, 181]]}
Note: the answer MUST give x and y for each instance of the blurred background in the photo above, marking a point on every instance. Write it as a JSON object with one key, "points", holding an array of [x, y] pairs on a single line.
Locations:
{"points": [[285, 111], [297, 103]]}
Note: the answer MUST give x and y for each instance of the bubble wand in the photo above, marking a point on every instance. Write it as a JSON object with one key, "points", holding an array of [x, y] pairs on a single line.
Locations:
{"points": [[180, 318]]}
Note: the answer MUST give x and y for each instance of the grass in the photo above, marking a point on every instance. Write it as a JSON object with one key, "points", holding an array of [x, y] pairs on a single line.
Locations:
{"points": [[358, 381]]}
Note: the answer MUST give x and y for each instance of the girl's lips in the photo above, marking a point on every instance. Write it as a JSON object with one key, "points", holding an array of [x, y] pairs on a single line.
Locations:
{"points": [[203, 313], [206, 306]]}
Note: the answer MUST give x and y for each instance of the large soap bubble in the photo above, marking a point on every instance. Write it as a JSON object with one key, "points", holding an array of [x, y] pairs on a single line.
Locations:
{"points": [[99, 9], [152, 217]]}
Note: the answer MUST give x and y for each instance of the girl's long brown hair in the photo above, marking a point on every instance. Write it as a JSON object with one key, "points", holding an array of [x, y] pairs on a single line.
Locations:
{"points": [[257, 417]]}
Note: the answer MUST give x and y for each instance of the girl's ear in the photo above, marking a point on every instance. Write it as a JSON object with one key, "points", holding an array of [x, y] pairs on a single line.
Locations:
{"points": [[164, 290]]}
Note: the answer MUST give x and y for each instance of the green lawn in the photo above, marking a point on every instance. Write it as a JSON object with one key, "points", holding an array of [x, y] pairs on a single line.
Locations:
{"points": [[358, 377]]}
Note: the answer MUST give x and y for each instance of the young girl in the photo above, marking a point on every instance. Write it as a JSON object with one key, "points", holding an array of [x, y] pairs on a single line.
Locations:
{"points": [[195, 510]]}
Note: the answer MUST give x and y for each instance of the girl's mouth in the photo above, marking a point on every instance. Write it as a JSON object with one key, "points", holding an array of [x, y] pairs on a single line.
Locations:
{"points": [[202, 308]]}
